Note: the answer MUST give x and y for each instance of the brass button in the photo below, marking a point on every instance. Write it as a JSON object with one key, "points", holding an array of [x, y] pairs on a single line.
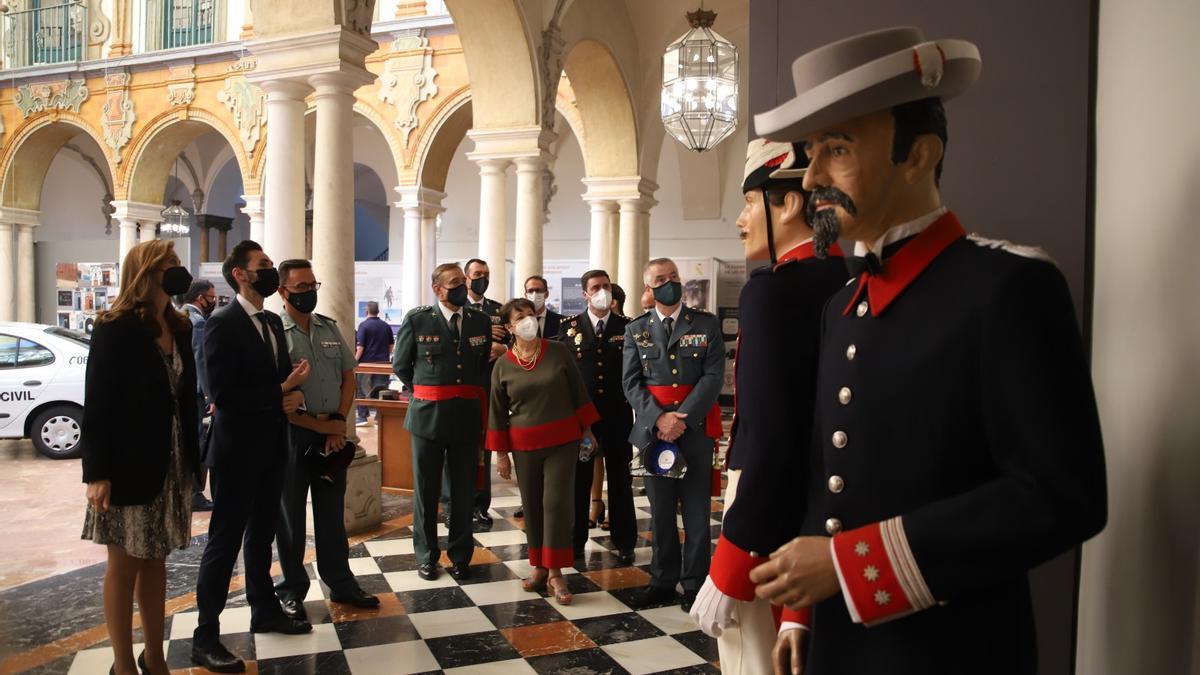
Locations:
{"points": [[599, 391], [833, 526], [836, 484], [844, 395], [459, 366], [459, 380], [676, 384], [840, 439], [600, 377], [862, 308], [674, 371], [672, 357], [851, 351], [600, 364]]}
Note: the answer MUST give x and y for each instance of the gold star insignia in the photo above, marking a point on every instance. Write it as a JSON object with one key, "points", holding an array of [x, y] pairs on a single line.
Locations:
{"points": [[871, 572], [882, 597], [861, 549]]}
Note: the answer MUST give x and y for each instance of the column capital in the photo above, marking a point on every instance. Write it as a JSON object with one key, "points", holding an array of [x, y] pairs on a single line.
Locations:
{"points": [[492, 166], [531, 163], [624, 190], [11, 215], [254, 205], [513, 143], [285, 90], [298, 57], [338, 83], [124, 209], [429, 201]]}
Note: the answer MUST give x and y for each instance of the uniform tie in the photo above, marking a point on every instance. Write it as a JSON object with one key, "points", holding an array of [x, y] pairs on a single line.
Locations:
{"points": [[669, 324], [454, 327], [600, 327]]}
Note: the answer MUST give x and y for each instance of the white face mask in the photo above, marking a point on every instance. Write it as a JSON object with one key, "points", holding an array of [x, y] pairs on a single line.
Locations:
{"points": [[526, 328], [601, 300], [538, 299]]}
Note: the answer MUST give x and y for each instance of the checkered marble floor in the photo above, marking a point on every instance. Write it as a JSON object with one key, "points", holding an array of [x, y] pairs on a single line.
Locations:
{"points": [[486, 624]]}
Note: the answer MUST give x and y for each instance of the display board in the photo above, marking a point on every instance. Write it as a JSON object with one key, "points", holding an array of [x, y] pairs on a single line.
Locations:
{"points": [[381, 282], [82, 290]]}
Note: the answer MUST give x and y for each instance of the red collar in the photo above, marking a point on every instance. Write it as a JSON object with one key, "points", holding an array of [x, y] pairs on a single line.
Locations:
{"points": [[511, 356], [805, 251], [903, 268]]}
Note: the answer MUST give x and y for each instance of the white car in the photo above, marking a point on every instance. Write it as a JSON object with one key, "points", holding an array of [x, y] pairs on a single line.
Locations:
{"points": [[41, 386]]}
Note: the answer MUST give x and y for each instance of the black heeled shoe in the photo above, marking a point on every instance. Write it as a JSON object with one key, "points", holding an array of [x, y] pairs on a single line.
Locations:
{"points": [[598, 519], [142, 667]]}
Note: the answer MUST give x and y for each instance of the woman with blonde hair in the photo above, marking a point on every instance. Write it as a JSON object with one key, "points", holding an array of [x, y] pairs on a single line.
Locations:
{"points": [[140, 446]]}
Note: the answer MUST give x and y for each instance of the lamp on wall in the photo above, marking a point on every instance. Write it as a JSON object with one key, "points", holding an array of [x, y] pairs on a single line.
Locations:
{"points": [[700, 85], [176, 223]]}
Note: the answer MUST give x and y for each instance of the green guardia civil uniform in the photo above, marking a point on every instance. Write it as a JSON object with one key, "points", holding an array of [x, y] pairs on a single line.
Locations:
{"points": [[445, 418]]}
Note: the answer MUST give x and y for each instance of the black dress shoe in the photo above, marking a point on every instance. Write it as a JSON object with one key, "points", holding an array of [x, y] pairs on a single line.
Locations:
{"points": [[357, 597], [625, 557], [294, 609], [459, 572], [689, 599], [428, 571], [481, 517], [652, 595], [217, 659], [283, 625], [520, 512], [201, 503]]}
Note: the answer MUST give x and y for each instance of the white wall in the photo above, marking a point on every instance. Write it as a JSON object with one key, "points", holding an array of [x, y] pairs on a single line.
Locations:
{"points": [[1139, 594], [71, 199], [567, 230]]}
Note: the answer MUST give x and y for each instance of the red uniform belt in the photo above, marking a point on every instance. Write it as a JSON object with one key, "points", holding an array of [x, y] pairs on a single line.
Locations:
{"points": [[672, 395]]}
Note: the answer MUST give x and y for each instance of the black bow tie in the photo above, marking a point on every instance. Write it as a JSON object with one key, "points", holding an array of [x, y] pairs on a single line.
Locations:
{"points": [[868, 263]]}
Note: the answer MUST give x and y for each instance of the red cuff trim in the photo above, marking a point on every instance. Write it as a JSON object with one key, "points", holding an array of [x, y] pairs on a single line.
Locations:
{"points": [[878, 575], [587, 415], [551, 557], [497, 440], [730, 570], [800, 616], [546, 435]]}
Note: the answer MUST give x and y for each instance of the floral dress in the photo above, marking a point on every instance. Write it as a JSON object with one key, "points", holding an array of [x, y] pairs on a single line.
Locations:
{"points": [[152, 530]]}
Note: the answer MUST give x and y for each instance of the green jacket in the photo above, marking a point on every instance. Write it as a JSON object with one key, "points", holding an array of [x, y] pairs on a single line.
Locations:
{"points": [[426, 354]]}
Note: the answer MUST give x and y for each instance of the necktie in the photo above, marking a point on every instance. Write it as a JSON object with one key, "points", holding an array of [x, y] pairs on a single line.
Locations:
{"points": [[600, 327], [266, 330], [669, 324], [454, 327]]}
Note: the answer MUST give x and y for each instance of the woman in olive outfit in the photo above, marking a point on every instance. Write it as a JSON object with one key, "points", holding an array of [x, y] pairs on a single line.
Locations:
{"points": [[140, 445], [540, 410]]}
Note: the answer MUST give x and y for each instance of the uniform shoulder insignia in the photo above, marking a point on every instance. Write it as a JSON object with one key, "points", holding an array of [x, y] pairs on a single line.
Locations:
{"points": [[701, 311], [475, 309], [641, 316], [1034, 252], [326, 318]]}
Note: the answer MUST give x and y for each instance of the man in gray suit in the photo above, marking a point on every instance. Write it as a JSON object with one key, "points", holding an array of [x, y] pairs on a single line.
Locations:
{"points": [[200, 301], [674, 366]]}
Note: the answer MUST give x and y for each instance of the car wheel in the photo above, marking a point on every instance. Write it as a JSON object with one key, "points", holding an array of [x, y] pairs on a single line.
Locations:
{"points": [[56, 432]]}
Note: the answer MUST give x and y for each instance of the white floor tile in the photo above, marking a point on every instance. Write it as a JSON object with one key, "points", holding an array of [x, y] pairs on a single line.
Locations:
{"points": [[451, 622], [642, 514], [410, 581], [505, 502], [233, 620], [670, 619], [100, 659], [442, 530], [390, 547], [513, 667], [500, 538], [314, 592], [642, 556], [497, 591], [323, 638], [588, 605], [653, 655], [641, 500], [391, 659], [523, 569], [364, 566]]}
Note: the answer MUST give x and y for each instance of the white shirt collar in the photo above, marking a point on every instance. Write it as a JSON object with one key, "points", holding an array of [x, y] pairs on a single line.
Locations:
{"points": [[447, 313], [674, 316], [247, 305], [898, 232], [596, 320]]}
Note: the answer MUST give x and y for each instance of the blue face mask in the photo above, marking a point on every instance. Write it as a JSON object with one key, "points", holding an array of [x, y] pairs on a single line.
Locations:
{"points": [[669, 293]]}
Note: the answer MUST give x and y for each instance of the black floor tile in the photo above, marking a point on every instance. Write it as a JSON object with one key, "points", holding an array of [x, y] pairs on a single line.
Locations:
{"points": [[607, 630], [406, 562], [511, 552], [467, 650], [482, 574], [371, 632], [576, 583], [372, 584], [592, 661], [631, 598], [702, 669], [699, 643], [524, 613], [434, 599]]}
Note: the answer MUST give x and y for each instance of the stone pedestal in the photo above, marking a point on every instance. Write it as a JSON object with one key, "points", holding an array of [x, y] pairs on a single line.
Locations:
{"points": [[364, 479]]}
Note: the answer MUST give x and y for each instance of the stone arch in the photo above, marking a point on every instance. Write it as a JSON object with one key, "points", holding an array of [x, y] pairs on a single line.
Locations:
{"points": [[501, 62], [605, 111], [441, 137], [33, 147], [154, 151], [393, 139]]}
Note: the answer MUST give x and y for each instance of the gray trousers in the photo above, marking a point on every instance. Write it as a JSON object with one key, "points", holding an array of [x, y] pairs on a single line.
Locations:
{"points": [[693, 495]]}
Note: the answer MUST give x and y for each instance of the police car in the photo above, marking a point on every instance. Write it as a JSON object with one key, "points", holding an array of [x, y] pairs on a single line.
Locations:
{"points": [[41, 386]]}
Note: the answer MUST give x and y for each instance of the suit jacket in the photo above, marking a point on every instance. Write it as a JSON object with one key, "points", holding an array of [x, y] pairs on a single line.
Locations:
{"points": [[426, 354], [553, 325], [244, 377], [599, 361], [129, 408], [957, 445], [693, 355], [198, 322]]}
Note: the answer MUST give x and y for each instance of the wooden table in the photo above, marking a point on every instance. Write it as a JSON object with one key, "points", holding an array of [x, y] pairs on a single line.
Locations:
{"points": [[395, 444]]}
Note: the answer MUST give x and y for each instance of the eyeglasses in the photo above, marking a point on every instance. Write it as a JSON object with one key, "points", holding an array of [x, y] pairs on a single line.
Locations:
{"points": [[304, 288]]}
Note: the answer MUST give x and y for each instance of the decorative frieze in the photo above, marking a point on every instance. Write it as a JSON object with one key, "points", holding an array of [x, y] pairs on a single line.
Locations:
{"points": [[408, 80], [247, 103], [118, 116], [358, 15], [36, 98], [181, 84]]}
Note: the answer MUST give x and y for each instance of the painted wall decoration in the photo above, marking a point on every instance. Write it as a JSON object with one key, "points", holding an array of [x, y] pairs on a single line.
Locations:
{"points": [[408, 80], [247, 103], [118, 116], [64, 95]]}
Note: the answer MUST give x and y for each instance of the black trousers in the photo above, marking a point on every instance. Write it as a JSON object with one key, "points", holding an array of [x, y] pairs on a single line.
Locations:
{"points": [[614, 443], [245, 513], [693, 494], [429, 457], [328, 505], [201, 470], [481, 498]]}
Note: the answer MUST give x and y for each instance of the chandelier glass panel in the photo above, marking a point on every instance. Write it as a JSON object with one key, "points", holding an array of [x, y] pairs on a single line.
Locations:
{"points": [[700, 85]]}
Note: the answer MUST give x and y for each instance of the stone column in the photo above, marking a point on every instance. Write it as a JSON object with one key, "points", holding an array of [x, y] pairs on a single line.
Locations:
{"points": [[493, 221], [257, 214], [25, 273], [283, 235], [614, 243], [629, 263], [429, 216], [135, 218], [333, 199], [203, 238], [147, 230], [530, 217], [128, 227], [8, 273], [395, 233], [411, 293], [223, 243], [599, 254]]}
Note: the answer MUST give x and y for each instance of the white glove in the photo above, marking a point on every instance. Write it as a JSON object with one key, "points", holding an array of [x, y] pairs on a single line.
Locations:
{"points": [[713, 610]]}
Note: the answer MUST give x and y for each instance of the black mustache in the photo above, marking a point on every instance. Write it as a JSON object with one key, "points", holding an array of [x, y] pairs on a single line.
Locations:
{"points": [[829, 194]]}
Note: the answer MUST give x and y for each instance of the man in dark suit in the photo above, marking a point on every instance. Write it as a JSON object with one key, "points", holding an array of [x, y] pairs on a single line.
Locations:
{"points": [[200, 301], [596, 338], [536, 291], [253, 386]]}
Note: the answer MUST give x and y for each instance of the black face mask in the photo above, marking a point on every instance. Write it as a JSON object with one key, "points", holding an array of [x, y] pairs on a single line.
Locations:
{"points": [[208, 308], [266, 281], [669, 293], [304, 302], [457, 296], [176, 280], [478, 286]]}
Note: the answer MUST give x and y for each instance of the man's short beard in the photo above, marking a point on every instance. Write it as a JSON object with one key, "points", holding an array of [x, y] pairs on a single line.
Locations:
{"points": [[826, 224]]}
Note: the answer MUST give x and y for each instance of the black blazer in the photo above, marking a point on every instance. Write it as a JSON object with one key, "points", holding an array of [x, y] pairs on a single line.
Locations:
{"points": [[600, 362], [127, 410], [249, 427], [553, 325]]}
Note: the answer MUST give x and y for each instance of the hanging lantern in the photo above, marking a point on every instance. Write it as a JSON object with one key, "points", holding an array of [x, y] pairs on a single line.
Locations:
{"points": [[176, 223], [700, 85]]}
